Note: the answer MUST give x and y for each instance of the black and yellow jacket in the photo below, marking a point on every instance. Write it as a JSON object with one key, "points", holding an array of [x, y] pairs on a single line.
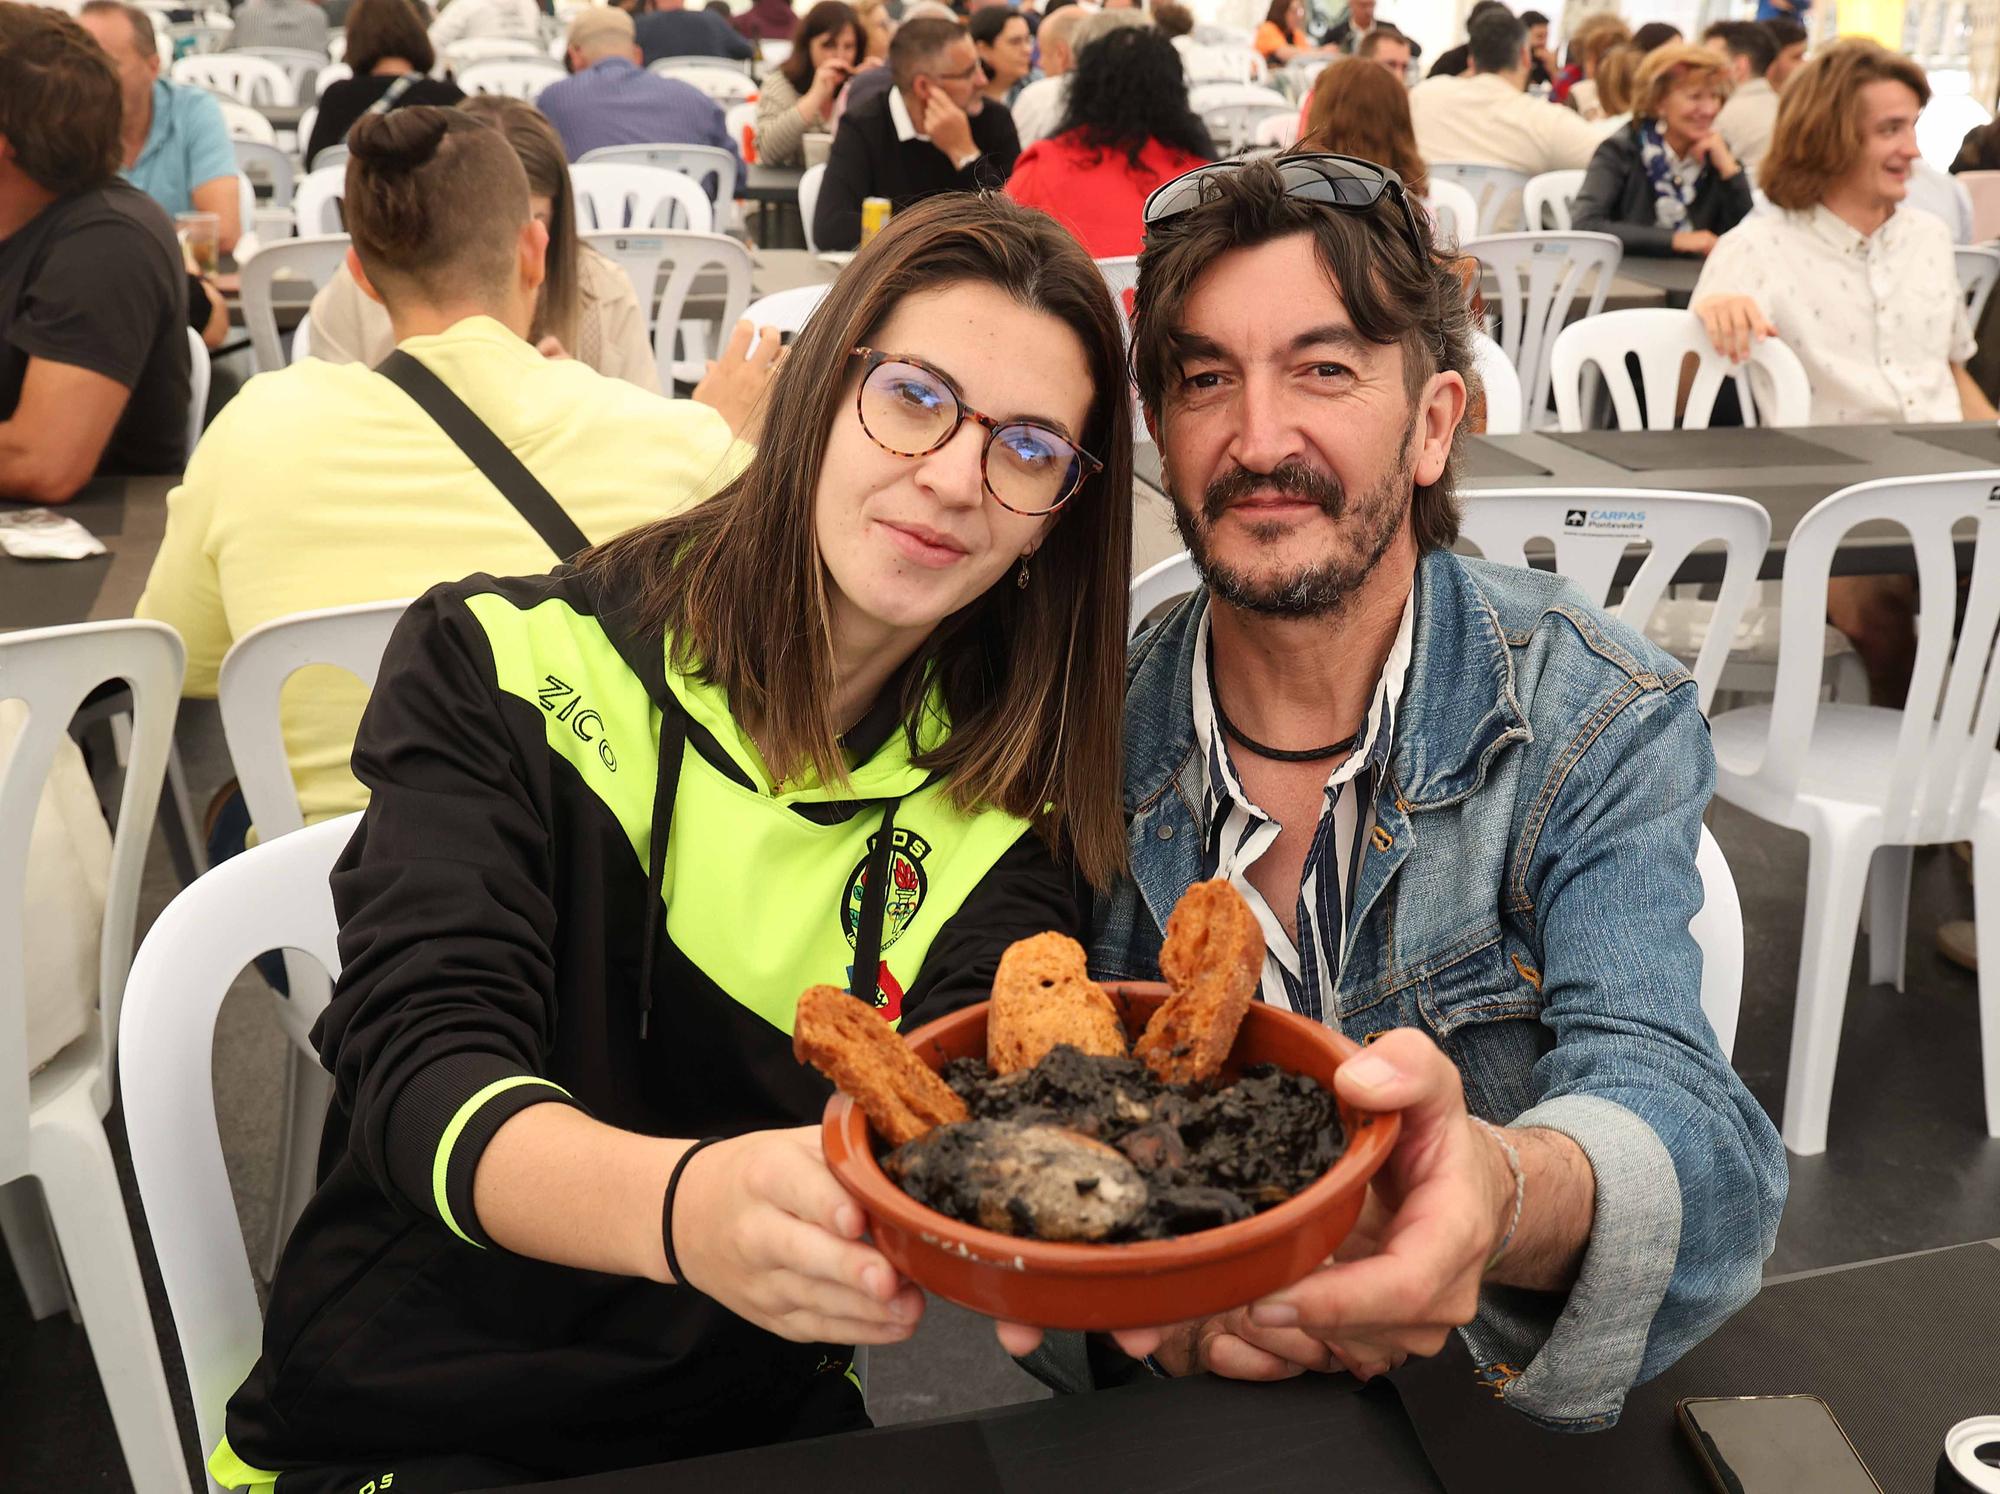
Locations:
{"points": [[542, 904]]}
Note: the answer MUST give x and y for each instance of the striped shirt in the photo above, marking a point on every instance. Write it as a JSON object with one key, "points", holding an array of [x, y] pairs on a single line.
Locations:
{"points": [[1300, 977]]}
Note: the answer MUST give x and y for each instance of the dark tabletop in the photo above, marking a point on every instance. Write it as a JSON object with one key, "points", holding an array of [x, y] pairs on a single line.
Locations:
{"points": [[129, 515], [772, 183], [1674, 275], [1901, 1349]]}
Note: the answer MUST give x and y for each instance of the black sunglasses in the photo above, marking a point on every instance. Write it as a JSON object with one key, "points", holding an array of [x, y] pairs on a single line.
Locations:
{"points": [[1346, 184]]}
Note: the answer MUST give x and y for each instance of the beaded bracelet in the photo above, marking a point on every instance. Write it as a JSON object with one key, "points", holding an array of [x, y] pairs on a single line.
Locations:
{"points": [[667, 1209], [1520, 1186]]}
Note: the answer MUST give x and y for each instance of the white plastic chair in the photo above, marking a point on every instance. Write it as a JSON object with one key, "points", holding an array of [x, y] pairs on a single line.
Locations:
{"points": [[809, 185], [773, 53], [1978, 270], [332, 73], [1278, 131], [300, 67], [1222, 64], [248, 689], [787, 310], [1866, 784], [73, 1242], [1589, 547], [245, 123], [472, 50], [316, 198], [1547, 198], [513, 77], [315, 260], [701, 59], [619, 195], [1454, 212], [332, 158], [1121, 278], [1233, 111], [1540, 278], [1503, 386], [248, 80], [1718, 931], [302, 340], [685, 256], [199, 374], [1168, 581], [256, 158], [336, 46], [710, 166], [714, 76], [1661, 339], [1493, 188], [271, 896]]}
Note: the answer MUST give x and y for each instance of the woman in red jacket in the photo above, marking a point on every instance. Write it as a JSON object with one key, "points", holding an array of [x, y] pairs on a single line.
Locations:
{"points": [[1127, 129]]}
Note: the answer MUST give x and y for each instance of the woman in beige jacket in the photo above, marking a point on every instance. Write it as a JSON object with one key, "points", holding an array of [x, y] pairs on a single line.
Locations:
{"points": [[799, 96], [588, 308]]}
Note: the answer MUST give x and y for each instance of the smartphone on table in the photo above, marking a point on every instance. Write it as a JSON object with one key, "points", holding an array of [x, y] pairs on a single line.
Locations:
{"points": [[1774, 1444]]}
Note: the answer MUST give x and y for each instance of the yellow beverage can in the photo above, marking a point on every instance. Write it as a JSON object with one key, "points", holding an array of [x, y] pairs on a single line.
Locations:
{"points": [[874, 216]]}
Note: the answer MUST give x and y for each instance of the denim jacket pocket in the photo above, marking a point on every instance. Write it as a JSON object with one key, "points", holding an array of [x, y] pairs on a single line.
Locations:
{"points": [[1485, 983]]}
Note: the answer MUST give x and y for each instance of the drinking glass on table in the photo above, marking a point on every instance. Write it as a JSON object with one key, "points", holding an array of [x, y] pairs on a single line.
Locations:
{"points": [[201, 235]]}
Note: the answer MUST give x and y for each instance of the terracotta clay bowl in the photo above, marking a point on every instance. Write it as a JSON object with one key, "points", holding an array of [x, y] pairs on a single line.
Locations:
{"points": [[1149, 1283]]}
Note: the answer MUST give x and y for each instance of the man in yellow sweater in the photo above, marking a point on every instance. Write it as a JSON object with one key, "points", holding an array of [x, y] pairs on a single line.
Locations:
{"points": [[326, 485]]}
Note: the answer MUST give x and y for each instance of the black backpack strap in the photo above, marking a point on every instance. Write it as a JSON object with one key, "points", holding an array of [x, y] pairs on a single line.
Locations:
{"points": [[488, 452]]}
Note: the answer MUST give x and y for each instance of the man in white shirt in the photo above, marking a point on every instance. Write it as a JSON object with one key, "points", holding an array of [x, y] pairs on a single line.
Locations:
{"points": [[1039, 108], [1747, 118], [1862, 288], [1486, 118]]}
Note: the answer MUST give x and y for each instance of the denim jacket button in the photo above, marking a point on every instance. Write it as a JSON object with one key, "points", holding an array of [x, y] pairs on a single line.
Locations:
{"points": [[1166, 832]]}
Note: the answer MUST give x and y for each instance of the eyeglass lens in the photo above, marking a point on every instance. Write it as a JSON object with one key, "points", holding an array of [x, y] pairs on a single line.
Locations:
{"points": [[911, 411]]}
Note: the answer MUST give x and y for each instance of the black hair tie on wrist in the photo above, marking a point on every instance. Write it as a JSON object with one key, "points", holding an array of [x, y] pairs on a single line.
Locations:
{"points": [[667, 1209]]}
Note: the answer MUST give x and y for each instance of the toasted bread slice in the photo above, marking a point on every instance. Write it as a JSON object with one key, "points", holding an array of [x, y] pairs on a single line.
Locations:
{"points": [[846, 1041], [1043, 996], [1213, 958]]}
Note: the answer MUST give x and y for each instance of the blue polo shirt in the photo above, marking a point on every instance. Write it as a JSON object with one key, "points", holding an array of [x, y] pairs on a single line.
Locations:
{"points": [[187, 145]]}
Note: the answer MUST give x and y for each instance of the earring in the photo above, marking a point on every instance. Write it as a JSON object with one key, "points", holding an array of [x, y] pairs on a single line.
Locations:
{"points": [[1021, 576]]}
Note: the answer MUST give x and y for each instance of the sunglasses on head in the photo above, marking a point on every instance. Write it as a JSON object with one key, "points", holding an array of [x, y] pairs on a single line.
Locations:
{"points": [[1347, 184]]}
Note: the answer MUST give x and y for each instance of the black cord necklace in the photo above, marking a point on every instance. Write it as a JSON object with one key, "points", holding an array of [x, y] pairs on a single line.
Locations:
{"points": [[1276, 754]]}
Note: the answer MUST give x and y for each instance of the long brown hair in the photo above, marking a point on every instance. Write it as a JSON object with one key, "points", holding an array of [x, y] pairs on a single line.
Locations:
{"points": [[540, 148], [1033, 679], [1817, 137], [1360, 108], [828, 18]]}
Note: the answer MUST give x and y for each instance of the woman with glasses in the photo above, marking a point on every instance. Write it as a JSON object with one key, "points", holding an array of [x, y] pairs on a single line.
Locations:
{"points": [[853, 721]]}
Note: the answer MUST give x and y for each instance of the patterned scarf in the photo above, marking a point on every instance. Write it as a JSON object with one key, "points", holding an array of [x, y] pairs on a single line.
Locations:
{"points": [[1673, 182]]}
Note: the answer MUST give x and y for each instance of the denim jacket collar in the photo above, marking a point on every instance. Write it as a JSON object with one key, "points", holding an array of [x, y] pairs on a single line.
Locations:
{"points": [[1459, 705]]}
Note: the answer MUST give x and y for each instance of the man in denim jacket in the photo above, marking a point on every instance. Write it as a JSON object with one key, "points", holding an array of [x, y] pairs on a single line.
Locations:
{"points": [[1464, 805]]}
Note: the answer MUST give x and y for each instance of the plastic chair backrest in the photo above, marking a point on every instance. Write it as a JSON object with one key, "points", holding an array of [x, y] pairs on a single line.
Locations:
{"points": [[1233, 111], [1978, 270], [1718, 933], [1159, 584], [272, 896], [684, 256], [513, 77], [316, 200], [711, 75], [336, 46], [254, 157], [787, 310], [700, 59], [1503, 386], [248, 80], [1661, 339], [1546, 200], [1222, 64], [1951, 716], [1494, 188], [316, 259], [245, 123], [1454, 212], [332, 73], [1121, 277], [618, 195], [302, 340], [1591, 529], [809, 185], [300, 67], [1983, 187], [332, 158], [1279, 130], [52, 670], [199, 374], [774, 53], [468, 50], [1540, 278], [710, 165]]}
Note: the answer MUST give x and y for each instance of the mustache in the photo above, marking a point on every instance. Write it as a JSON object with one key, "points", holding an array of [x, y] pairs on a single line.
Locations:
{"points": [[1291, 479]]}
